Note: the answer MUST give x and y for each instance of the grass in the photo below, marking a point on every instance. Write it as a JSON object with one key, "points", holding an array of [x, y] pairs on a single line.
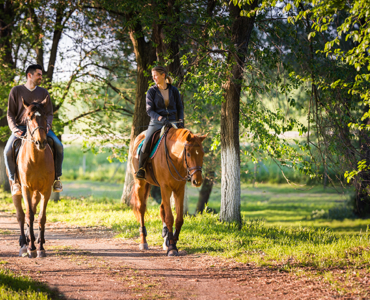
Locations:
{"points": [[278, 227], [277, 205], [17, 287], [283, 205]]}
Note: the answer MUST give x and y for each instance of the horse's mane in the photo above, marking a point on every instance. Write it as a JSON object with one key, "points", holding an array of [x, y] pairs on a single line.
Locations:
{"points": [[181, 135], [34, 106]]}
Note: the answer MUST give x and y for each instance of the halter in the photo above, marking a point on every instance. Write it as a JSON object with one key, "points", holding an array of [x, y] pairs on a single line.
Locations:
{"points": [[188, 170]]}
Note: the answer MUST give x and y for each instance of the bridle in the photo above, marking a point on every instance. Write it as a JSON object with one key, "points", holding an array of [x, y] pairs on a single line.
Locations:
{"points": [[188, 170], [32, 140]]}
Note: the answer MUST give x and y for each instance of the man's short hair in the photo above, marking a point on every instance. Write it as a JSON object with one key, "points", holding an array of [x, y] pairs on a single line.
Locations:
{"points": [[32, 68]]}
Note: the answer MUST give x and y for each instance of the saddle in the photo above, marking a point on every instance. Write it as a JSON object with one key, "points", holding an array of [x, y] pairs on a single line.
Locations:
{"points": [[155, 141], [17, 145]]}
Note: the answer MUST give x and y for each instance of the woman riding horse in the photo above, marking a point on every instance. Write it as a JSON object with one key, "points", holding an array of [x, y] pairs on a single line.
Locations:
{"points": [[178, 158], [163, 105]]}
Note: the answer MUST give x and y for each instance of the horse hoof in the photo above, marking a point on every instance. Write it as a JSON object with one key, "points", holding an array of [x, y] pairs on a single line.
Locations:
{"points": [[41, 253], [165, 248], [143, 246], [32, 253], [172, 253], [23, 251]]}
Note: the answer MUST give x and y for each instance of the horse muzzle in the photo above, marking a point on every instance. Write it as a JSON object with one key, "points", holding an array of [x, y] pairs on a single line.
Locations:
{"points": [[41, 145], [197, 179]]}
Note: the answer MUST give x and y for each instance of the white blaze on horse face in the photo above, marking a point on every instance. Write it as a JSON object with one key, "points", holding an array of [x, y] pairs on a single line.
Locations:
{"points": [[37, 114], [196, 151]]}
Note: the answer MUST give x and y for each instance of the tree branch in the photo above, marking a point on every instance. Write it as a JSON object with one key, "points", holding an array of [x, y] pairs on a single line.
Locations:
{"points": [[116, 108]]}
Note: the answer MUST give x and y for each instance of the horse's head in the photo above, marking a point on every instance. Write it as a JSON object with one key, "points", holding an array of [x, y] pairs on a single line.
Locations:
{"points": [[35, 119], [194, 158]]}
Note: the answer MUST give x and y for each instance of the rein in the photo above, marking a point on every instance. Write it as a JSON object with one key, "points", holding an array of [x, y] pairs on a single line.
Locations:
{"points": [[168, 158]]}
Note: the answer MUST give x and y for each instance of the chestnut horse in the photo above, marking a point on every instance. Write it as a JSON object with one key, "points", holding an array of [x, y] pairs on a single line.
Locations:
{"points": [[36, 175], [179, 158]]}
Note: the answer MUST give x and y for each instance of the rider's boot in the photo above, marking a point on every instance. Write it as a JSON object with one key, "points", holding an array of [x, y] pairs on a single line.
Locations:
{"points": [[57, 186], [140, 174]]}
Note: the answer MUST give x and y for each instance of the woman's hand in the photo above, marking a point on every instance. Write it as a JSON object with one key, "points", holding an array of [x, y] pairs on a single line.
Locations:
{"points": [[160, 118], [18, 133]]}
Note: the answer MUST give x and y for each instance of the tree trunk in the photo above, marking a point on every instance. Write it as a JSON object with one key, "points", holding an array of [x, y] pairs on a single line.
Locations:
{"points": [[145, 56], [230, 148], [205, 191], [362, 182], [7, 15], [129, 178], [4, 182], [155, 192]]}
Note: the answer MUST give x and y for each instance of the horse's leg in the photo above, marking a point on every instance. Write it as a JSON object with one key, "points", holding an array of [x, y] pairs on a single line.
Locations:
{"points": [[17, 200], [42, 221], [30, 216], [164, 229], [138, 200], [166, 203], [179, 203]]}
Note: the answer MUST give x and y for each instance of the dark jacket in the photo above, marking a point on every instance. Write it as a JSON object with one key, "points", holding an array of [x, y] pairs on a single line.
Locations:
{"points": [[155, 104]]}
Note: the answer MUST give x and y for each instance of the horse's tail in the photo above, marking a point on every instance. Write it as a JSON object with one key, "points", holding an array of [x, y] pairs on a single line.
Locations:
{"points": [[138, 204]]}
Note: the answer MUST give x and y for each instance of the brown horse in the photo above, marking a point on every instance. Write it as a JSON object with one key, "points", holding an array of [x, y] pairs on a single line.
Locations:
{"points": [[179, 158], [36, 175]]}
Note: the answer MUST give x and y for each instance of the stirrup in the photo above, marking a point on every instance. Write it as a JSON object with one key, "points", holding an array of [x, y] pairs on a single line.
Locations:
{"points": [[140, 175]]}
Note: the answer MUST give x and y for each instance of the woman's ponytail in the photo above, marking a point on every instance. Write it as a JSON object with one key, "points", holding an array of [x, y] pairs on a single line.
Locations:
{"points": [[169, 79]]}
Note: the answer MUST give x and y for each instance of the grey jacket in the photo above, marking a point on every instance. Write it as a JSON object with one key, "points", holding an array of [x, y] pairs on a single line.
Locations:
{"points": [[155, 106]]}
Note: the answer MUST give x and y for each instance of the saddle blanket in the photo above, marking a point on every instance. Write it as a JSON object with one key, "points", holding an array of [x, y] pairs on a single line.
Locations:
{"points": [[154, 150], [17, 145]]}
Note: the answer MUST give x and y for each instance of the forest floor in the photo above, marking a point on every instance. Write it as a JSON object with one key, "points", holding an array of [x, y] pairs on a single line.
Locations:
{"points": [[89, 263]]}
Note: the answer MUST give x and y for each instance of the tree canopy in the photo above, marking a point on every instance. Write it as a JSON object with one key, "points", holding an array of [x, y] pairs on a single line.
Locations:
{"points": [[254, 70]]}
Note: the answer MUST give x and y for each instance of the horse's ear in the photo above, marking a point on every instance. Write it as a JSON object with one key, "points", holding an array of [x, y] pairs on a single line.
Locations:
{"points": [[45, 101], [202, 137], [25, 104], [189, 137]]}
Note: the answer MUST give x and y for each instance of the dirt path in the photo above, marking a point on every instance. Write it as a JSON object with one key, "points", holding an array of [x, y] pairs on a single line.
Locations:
{"points": [[85, 263]]}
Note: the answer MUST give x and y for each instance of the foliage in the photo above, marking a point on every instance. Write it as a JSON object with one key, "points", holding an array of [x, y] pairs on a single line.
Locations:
{"points": [[323, 47], [346, 28], [308, 56], [85, 69]]}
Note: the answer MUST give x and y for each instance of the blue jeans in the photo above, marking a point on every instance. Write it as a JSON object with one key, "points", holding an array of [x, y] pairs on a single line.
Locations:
{"points": [[153, 127], [9, 159]]}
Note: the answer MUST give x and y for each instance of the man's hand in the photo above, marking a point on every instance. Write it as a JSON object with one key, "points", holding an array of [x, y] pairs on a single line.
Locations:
{"points": [[160, 118]]}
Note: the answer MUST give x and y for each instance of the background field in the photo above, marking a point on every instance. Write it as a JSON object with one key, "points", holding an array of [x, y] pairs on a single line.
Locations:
{"points": [[276, 205]]}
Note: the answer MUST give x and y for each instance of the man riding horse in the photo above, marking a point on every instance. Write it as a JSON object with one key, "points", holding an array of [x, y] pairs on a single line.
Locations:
{"points": [[30, 92], [163, 105]]}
